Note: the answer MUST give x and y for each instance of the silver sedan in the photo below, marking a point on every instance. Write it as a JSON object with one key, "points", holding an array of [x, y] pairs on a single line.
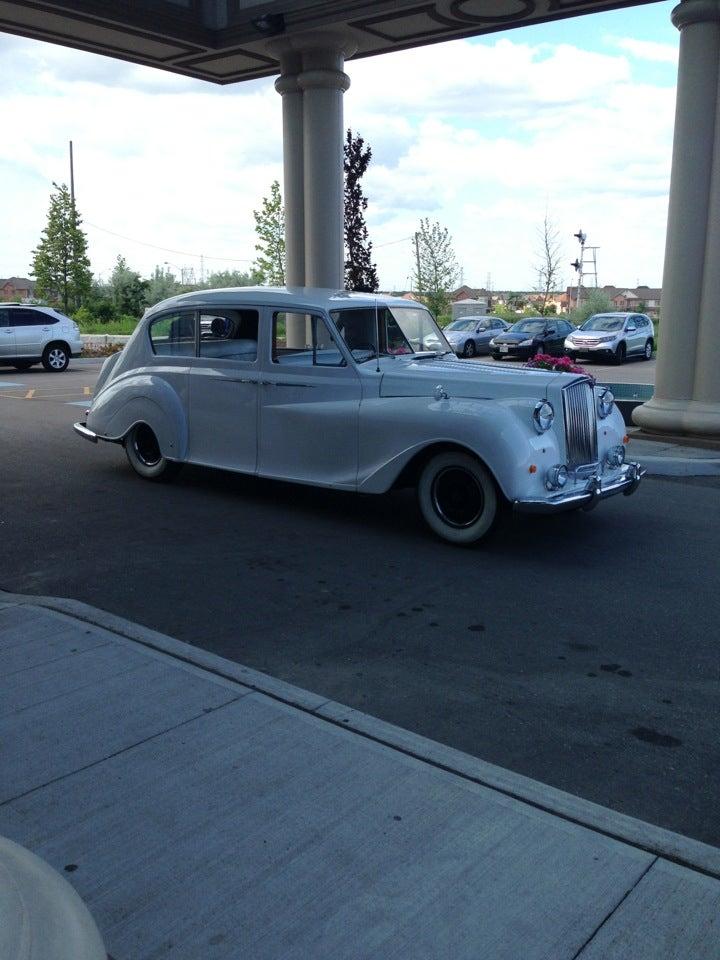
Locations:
{"points": [[469, 336]]}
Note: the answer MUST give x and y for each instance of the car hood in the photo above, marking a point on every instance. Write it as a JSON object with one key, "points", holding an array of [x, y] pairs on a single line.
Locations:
{"points": [[594, 334], [515, 337], [466, 378]]}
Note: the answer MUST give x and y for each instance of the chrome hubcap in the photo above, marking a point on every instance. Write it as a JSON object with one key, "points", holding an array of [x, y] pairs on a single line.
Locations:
{"points": [[57, 359], [457, 497]]}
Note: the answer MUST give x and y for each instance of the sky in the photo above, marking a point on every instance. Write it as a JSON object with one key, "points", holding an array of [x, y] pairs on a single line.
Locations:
{"points": [[571, 120]]}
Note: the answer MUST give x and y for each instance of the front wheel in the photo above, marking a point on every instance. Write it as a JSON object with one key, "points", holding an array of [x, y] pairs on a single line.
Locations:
{"points": [[469, 349], [619, 355], [143, 452], [56, 357], [457, 498]]}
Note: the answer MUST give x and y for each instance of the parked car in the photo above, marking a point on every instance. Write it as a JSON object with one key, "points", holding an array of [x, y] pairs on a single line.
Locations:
{"points": [[30, 335], [530, 336], [612, 336], [469, 336], [340, 390]]}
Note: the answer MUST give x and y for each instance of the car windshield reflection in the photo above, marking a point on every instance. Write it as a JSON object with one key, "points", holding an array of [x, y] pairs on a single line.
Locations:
{"points": [[396, 331]]}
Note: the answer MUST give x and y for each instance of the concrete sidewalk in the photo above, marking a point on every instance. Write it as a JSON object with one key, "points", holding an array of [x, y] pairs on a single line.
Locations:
{"points": [[664, 458], [203, 810]]}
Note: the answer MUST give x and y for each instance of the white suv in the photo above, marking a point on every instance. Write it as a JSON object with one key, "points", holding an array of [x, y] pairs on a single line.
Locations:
{"points": [[30, 335]]}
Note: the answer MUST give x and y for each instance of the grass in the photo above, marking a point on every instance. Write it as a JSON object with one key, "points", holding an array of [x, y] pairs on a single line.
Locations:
{"points": [[125, 326]]}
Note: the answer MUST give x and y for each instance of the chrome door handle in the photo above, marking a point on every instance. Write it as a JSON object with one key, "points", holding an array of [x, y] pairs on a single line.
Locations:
{"points": [[46, 329], [284, 383]]}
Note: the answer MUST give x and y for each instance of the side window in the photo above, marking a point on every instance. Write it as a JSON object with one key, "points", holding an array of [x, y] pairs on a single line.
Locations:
{"points": [[173, 334], [30, 318], [4, 318], [303, 340], [229, 334]]}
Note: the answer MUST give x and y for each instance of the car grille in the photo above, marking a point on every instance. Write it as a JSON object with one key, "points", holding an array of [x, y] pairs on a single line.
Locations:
{"points": [[580, 423]]}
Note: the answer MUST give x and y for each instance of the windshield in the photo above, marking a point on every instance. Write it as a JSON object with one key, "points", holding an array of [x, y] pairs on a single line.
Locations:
{"points": [[528, 326], [399, 330], [603, 321], [466, 324]]}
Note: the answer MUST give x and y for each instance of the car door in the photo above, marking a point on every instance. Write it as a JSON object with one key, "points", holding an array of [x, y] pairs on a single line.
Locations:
{"points": [[554, 339], [483, 335], [7, 334], [223, 388], [33, 330], [636, 339], [309, 405]]}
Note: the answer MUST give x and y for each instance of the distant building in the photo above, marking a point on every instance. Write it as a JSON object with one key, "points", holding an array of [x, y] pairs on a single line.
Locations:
{"points": [[641, 299], [17, 288]]}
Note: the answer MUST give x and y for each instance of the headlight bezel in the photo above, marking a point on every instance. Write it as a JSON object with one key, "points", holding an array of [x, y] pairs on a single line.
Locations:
{"points": [[543, 420], [605, 403]]}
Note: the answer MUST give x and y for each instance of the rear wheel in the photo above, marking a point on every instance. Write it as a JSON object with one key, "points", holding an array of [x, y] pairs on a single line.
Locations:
{"points": [[56, 357], [143, 452], [457, 498], [648, 350], [469, 349], [619, 355]]}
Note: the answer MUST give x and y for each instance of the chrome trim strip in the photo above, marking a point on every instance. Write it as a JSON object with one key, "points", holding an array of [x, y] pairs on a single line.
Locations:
{"points": [[83, 431], [589, 497]]}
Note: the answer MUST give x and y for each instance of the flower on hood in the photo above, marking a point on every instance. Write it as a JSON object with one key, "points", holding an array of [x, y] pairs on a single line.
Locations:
{"points": [[543, 361]]}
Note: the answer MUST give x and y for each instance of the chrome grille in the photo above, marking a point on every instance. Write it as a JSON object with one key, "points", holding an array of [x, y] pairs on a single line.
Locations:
{"points": [[580, 423]]}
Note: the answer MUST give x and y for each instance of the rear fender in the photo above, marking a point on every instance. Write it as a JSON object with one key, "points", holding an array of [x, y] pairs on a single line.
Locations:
{"points": [[141, 399]]}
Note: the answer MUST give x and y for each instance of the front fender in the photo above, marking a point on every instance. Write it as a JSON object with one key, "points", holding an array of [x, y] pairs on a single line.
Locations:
{"points": [[141, 398], [394, 430]]}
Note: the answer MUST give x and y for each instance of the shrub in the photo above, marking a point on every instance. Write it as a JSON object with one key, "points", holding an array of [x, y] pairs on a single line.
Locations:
{"points": [[543, 361]]}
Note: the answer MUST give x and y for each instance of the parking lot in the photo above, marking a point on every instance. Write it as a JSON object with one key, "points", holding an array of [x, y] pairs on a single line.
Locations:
{"points": [[579, 650]]}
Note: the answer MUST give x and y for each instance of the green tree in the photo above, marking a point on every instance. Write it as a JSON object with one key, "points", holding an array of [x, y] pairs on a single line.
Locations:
{"points": [[161, 285], [595, 302], [270, 229], [232, 278], [360, 271], [436, 270], [60, 263], [128, 290]]}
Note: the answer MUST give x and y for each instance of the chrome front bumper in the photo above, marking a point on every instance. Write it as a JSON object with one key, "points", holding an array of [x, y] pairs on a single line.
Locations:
{"points": [[595, 490], [84, 432]]}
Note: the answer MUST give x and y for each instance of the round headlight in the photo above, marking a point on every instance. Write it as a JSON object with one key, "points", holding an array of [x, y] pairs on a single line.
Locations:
{"points": [[556, 477], [605, 403], [543, 416]]}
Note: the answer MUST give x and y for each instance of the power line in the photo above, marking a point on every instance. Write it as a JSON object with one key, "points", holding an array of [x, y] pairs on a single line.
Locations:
{"points": [[154, 246], [391, 242]]}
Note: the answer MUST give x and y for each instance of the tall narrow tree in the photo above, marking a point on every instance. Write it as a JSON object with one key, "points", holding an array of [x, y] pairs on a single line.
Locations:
{"points": [[60, 263], [270, 230], [360, 271], [436, 266], [549, 259]]}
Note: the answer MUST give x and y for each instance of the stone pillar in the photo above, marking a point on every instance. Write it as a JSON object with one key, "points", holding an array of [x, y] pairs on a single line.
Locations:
{"points": [[293, 186], [687, 388], [323, 84]]}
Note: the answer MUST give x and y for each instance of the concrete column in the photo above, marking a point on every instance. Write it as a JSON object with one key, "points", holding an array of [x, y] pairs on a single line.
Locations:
{"points": [[293, 186], [687, 388], [323, 83]]}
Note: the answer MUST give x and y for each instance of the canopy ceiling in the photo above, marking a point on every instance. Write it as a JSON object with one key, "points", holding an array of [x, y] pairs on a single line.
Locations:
{"points": [[226, 40]]}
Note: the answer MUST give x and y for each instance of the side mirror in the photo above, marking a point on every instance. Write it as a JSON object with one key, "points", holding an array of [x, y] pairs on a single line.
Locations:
{"points": [[551, 331], [631, 328]]}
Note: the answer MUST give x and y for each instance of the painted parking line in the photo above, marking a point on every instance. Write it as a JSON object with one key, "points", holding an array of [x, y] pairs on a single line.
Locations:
{"points": [[30, 394], [4, 385]]}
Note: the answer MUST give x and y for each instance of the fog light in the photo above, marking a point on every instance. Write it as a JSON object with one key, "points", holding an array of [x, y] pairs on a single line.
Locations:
{"points": [[556, 477], [615, 456]]}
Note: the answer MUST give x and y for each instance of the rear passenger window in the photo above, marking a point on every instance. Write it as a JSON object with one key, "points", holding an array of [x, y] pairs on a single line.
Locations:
{"points": [[173, 335], [31, 318], [229, 334]]}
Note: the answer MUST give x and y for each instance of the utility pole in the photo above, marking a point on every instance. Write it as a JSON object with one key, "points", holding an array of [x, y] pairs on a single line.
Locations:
{"points": [[584, 266], [417, 257]]}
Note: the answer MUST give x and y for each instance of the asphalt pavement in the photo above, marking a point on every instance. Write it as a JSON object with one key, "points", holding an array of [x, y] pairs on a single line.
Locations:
{"points": [[580, 651]]}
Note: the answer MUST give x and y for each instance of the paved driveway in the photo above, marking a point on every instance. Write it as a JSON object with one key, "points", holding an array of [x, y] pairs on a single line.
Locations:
{"points": [[580, 651]]}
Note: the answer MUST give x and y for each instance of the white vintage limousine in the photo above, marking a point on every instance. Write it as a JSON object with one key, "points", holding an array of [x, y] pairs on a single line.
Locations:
{"points": [[356, 392]]}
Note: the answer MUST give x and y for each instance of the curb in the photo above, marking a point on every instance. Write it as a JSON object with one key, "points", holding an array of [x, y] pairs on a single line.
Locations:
{"points": [[652, 839], [680, 466]]}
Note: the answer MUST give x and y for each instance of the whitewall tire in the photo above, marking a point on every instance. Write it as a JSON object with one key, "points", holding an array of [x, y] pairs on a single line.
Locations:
{"points": [[143, 452], [457, 498]]}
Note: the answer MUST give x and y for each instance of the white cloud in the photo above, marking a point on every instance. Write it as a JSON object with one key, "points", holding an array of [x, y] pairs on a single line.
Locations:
{"points": [[649, 50], [480, 136]]}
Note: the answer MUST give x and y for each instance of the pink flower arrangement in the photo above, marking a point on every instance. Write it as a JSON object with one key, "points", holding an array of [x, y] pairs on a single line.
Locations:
{"points": [[543, 361]]}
